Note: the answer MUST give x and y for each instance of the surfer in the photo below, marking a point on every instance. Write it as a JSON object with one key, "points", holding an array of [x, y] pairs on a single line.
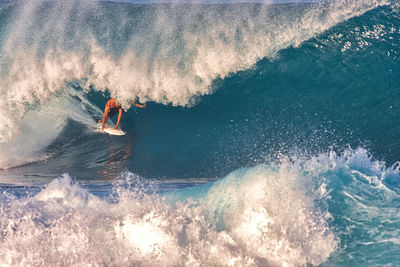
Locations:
{"points": [[113, 107]]}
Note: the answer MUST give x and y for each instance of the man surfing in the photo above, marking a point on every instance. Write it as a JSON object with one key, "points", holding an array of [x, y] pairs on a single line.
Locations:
{"points": [[113, 107]]}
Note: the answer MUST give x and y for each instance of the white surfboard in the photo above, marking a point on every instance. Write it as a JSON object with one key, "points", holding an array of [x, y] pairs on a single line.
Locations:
{"points": [[110, 130]]}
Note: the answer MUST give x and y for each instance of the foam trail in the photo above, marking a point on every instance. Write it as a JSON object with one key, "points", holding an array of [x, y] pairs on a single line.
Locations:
{"points": [[41, 125], [163, 53]]}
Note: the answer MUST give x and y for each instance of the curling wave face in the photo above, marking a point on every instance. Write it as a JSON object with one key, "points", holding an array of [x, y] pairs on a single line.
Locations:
{"points": [[167, 53]]}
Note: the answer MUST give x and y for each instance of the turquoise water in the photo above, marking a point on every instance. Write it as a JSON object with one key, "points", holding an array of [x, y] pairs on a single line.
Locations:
{"points": [[269, 136]]}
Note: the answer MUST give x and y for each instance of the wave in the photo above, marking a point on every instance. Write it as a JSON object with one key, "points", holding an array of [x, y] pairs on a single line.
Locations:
{"points": [[164, 53], [319, 210], [270, 87]]}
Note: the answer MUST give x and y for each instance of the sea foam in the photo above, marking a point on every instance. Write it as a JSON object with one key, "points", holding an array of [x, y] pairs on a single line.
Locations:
{"points": [[252, 217]]}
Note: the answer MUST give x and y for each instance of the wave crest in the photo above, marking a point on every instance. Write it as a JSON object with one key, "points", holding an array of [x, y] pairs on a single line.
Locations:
{"points": [[167, 53]]}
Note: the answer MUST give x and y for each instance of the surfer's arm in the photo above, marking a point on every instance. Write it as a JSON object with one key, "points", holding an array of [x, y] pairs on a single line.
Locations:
{"points": [[139, 105], [105, 117], [119, 118]]}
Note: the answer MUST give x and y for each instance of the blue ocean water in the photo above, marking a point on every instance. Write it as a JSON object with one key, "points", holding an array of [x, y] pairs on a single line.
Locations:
{"points": [[269, 136]]}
